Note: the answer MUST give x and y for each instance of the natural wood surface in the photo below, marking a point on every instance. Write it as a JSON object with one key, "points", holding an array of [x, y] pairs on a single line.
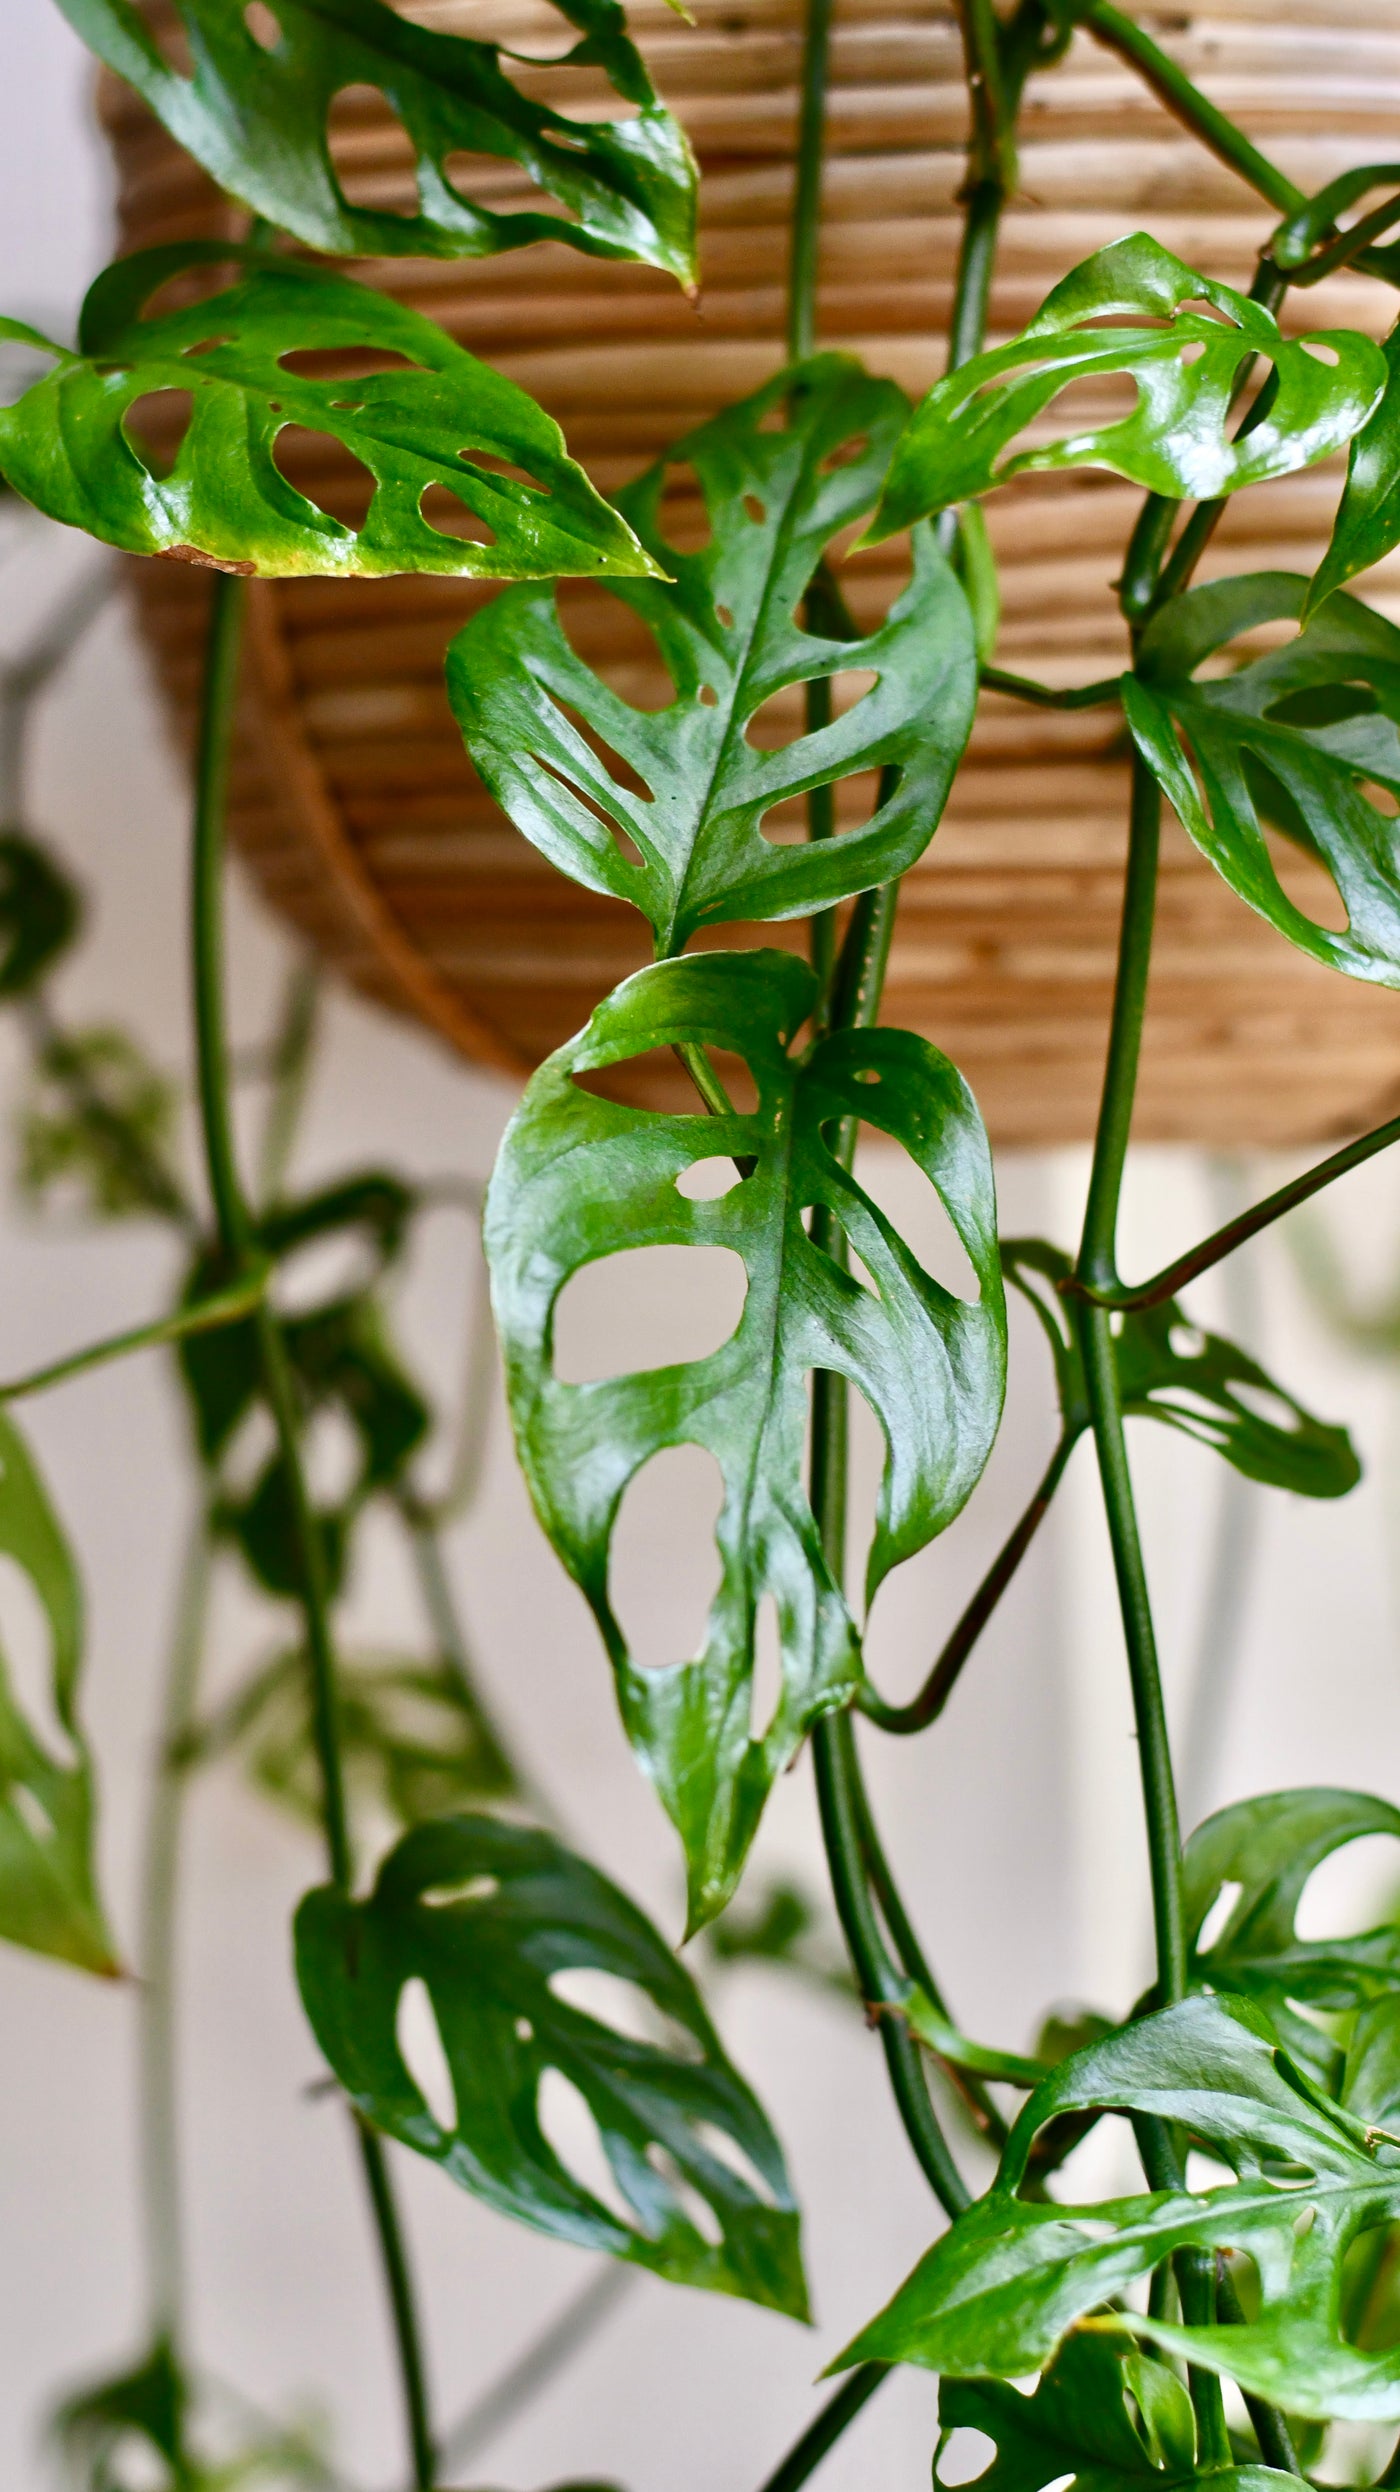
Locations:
{"points": [[354, 802]]}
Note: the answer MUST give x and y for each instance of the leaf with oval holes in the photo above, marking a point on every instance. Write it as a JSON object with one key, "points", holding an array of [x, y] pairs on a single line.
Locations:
{"points": [[691, 851], [255, 114], [1001, 2290], [492, 1919], [445, 421], [1194, 1381], [1185, 341], [580, 1177], [40, 914], [1079, 2429], [1293, 739], [1367, 525], [48, 1874], [1269, 1848]]}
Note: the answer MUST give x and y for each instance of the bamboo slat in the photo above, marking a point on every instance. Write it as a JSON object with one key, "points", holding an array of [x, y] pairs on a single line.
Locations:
{"points": [[353, 801]]}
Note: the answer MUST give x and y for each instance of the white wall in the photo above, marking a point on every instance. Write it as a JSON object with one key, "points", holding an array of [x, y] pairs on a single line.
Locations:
{"points": [[1015, 1825]]}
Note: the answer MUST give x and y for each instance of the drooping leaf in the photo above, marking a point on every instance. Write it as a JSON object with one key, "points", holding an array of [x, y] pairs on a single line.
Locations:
{"points": [[255, 115], [581, 1177], [1196, 1382], [492, 1919], [435, 417], [97, 1127], [40, 913], [1367, 525], [415, 1739], [1078, 2427], [693, 851], [999, 2292], [48, 1874], [1293, 739], [1269, 1848], [1186, 342]]}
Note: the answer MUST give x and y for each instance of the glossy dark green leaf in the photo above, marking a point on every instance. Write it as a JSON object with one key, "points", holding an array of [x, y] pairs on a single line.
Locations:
{"points": [[1367, 525], [97, 1127], [1196, 1382], [692, 850], [40, 914], [1002, 2288], [1268, 1849], [581, 1177], [492, 1919], [48, 1874], [415, 1739], [1079, 2428], [1186, 342], [255, 115], [1293, 739], [434, 418]]}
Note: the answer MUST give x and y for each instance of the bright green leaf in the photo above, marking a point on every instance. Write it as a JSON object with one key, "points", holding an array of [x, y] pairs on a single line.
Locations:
{"points": [[692, 851], [1268, 1848], [579, 1178], [255, 116], [48, 1876], [1185, 341], [1293, 739], [436, 418], [492, 1919], [1196, 1382], [1002, 2288], [1367, 525], [1078, 2426]]}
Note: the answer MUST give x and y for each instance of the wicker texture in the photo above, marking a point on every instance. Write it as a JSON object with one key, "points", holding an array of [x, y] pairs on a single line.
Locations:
{"points": [[354, 802]]}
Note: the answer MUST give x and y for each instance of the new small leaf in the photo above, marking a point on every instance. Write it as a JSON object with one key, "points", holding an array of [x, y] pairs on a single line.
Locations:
{"points": [[1185, 341]]}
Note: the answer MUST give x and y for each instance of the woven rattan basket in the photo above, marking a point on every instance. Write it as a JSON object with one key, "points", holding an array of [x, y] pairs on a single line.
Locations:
{"points": [[354, 803]]}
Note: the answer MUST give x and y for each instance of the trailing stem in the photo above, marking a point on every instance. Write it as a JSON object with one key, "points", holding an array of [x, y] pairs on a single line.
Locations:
{"points": [[236, 1234]]}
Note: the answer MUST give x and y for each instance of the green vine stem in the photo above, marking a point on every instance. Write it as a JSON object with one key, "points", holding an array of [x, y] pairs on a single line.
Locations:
{"points": [[1185, 100], [203, 1315], [234, 1224], [159, 2096], [823, 2432], [807, 183], [927, 1705]]}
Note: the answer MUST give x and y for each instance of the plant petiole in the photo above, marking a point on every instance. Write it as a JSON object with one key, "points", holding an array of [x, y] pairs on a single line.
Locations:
{"points": [[822, 2434], [203, 1315]]}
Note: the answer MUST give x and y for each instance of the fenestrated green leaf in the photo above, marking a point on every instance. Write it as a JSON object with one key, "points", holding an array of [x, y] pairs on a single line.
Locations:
{"points": [[1196, 1382], [1367, 525], [445, 420], [692, 851], [255, 116], [1185, 341], [999, 2292], [415, 1739], [1292, 739], [48, 1875], [1078, 2426], [1269, 1848], [580, 1177], [492, 1919]]}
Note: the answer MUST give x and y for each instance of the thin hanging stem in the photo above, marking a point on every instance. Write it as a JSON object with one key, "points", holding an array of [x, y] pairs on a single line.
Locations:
{"points": [[822, 2434], [235, 1228], [926, 1707], [202, 1315], [1186, 102], [158, 2091], [293, 1056], [807, 184]]}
